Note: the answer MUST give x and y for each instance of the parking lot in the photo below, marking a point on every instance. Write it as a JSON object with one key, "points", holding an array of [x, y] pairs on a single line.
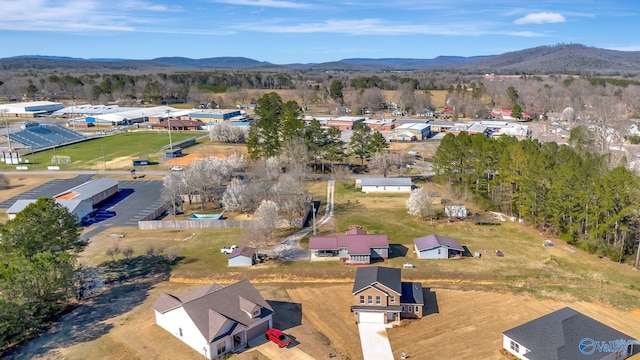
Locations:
{"points": [[135, 200]]}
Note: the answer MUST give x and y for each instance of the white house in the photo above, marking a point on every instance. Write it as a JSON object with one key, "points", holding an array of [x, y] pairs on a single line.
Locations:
{"points": [[566, 334], [437, 247], [401, 185], [215, 320], [242, 256]]}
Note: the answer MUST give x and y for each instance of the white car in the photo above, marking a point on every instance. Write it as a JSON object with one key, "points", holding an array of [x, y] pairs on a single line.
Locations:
{"points": [[228, 249], [176, 168]]}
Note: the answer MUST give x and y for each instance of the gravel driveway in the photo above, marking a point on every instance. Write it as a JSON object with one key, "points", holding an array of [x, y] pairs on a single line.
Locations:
{"points": [[289, 249]]}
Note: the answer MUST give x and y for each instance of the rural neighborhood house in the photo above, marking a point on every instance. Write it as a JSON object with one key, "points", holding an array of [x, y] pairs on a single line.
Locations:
{"points": [[215, 319], [566, 334], [380, 297], [355, 247], [391, 185], [437, 247]]}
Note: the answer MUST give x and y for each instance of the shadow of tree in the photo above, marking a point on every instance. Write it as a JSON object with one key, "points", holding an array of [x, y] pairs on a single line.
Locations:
{"points": [[128, 282]]}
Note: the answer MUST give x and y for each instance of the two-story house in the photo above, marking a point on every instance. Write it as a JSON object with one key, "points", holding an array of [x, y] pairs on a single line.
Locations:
{"points": [[379, 296]]}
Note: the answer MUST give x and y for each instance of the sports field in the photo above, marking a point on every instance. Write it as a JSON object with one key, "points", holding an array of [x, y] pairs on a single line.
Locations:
{"points": [[114, 152]]}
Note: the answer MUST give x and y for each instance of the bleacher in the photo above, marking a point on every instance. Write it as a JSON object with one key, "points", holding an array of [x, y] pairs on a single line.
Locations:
{"points": [[43, 136]]}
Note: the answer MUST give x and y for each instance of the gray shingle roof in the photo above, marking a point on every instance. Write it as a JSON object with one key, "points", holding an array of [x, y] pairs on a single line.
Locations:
{"points": [[434, 241], [367, 276], [557, 335], [401, 181], [412, 293], [211, 307]]}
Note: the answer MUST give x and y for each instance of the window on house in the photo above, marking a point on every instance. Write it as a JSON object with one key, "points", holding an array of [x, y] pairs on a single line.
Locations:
{"points": [[417, 309], [180, 331], [378, 301], [439, 251], [222, 347], [515, 346], [392, 299], [369, 299]]}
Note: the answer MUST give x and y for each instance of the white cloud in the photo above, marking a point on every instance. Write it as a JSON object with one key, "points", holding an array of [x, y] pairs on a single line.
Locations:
{"points": [[358, 27], [541, 18], [266, 3]]}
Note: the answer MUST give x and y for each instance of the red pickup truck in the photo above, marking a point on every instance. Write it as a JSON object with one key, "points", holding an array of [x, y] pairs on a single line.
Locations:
{"points": [[278, 337]]}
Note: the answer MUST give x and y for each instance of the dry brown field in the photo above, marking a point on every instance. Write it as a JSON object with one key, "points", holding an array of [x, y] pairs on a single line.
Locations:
{"points": [[459, 325]]}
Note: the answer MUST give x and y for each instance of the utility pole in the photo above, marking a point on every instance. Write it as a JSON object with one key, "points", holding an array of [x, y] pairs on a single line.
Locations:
{"points": [[313, 210]]}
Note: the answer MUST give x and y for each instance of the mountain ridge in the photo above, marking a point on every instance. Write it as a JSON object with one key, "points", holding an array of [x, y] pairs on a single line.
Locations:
{"points": [[571, 58]]}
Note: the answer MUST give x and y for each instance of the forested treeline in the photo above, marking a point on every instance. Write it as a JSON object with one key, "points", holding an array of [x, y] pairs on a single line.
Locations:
{"points": [[572, 194]]}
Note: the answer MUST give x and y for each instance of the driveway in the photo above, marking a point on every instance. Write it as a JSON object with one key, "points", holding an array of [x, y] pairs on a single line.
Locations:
{"points": [[272, 351], [375, 342], [289, 249]]}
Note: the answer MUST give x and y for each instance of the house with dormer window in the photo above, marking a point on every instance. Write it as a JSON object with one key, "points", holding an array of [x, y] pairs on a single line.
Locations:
{"points": [[215, 320]]}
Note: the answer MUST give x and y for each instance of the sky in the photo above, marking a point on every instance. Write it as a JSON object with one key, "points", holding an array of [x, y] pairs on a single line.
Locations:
{"points": [[310, 31]]}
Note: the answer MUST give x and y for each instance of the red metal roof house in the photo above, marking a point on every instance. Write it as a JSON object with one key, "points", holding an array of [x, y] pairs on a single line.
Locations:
{"points": [[355, 247]]}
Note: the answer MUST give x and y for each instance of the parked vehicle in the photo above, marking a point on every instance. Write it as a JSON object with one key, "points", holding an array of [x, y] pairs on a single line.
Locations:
{"points": [[278, 337], [228, 249], [176, 168]]}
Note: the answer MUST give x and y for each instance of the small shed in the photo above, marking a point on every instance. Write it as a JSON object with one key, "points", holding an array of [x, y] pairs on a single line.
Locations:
{"points": [[242, 256], [456, 211], [141, 161]]}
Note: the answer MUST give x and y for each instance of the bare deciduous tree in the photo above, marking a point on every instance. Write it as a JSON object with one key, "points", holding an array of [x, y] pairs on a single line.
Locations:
{"points": [[235, 197], [419, 204], [173, 186], [227, 133], [267, 216], [4, 182]]}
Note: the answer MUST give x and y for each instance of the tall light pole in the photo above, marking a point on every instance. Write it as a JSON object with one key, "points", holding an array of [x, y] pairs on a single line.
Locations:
{"points": [[6, 125], [72, 118], [169, 127]]}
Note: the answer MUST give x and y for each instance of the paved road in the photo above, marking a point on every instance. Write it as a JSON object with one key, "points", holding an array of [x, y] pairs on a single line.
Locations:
{"points": [[375, 342], [289, 249]]}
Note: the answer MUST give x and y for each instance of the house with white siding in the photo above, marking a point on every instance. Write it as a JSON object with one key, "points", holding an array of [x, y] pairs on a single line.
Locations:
{"points": [[567, 334], [215, 320], [385, 184], [437, 247]]}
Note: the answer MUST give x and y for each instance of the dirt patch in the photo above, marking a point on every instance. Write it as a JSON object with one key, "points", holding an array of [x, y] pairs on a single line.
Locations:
{"points": [[458, 324]]}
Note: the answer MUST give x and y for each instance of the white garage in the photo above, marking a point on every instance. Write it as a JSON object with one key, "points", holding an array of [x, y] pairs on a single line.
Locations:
{"points": [[365, 317]]}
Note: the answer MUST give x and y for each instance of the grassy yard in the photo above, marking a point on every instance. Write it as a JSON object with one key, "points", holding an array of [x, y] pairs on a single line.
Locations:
{"points": [[475, 298]]}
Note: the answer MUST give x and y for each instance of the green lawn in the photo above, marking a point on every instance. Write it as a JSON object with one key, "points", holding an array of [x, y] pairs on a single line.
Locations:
{"points": [[527, 266], [110, 152]]}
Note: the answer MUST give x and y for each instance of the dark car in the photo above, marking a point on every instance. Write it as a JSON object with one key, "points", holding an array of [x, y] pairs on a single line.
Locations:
{"points": [[278, 337]]}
